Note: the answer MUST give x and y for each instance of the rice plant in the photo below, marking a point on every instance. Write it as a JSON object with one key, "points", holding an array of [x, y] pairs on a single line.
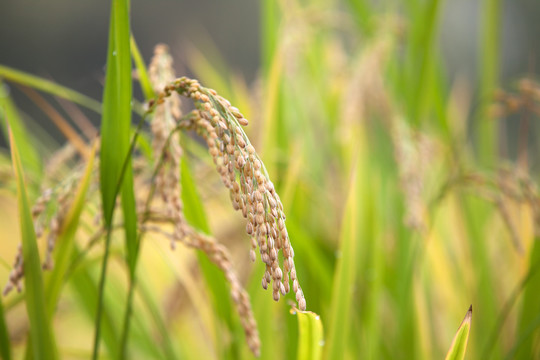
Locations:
{"points": [[373, 201]]}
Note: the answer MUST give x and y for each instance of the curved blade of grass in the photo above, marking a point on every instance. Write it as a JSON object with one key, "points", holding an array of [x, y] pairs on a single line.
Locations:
{"points": [[66, 238], [5, 346], [311, 339], [61, 124], [474, 213], [530, 308], [115, 159], [526, 336], [81, 121], [43, 346], [344, 276], [144, 80], [48, 86], [509, 304], [29, 156], [459, 344]]}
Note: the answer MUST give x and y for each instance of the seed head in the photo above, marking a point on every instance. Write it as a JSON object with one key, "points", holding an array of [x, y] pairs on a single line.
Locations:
{"points": [[244, 174]]}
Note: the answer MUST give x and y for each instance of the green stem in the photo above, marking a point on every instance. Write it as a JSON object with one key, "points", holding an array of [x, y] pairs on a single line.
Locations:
{"points": [[127, 315], [97, 332], [108, 242], [133, 277]]}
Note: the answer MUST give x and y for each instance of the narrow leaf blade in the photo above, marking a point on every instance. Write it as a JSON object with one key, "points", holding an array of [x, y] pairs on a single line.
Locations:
{"points": [[115, 126], [116, 174], [43, 346], [311, 338], [345, 274], [50, 87], [459, 344], [144, 80], [66, 238], [25, 142], [5, 346]]}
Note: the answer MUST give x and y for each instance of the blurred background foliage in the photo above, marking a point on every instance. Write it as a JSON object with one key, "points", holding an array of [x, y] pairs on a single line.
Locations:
{"points": [[401, 137]]}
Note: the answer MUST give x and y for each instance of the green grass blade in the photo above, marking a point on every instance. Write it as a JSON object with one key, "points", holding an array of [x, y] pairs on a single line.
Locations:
{"points": [[115, 125], [5, 346], [50, 87], [30, 158], [115, 160], [144, 80], [345, 273], [509, 304], [474, 213], [311, 339], [424, 44], [526, 336], [66, 238], [530, 309], [43, 346], [459, 344]]}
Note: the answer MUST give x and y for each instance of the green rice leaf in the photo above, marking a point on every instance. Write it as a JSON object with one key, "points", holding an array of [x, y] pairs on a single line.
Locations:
{"points": [[311, 338], [66, 238], [115, 127], [48, 86], [31, 161], [528, 324], [43, 346], [344, 276], [116, 174], [144, 80], [5, 346], [423, 45], [459, 344]]}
